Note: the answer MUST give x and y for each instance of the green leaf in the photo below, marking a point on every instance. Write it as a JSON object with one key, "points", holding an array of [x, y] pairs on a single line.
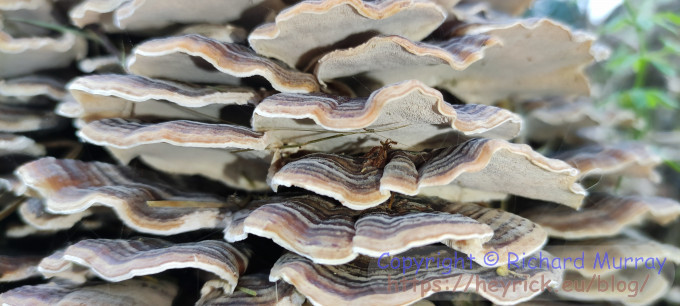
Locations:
{"points": [[662, 65], [639, 64], [667, 20], [617, 24], [624, 100], [652, 99], [671, 45], [621, 61], [247, 291], [664, 24], [645, 24], [638, 98], [670, 16], [665, 99], [674, 165]]}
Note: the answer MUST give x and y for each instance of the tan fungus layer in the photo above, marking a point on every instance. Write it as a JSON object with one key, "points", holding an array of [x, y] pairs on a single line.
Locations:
{"points": [[363, 282], [70, 186], [482, 164], [194, 58]]}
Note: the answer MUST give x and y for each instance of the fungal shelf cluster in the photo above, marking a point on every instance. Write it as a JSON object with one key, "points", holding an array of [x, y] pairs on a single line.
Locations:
{"points": [[282, 152]]}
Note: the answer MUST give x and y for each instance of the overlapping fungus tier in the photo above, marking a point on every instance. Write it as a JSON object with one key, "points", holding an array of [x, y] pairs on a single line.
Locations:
{"points": [[570, 119], [71, 186], [262, 292], [143, 292], [632, 159], [511, 234], [395, 55], [16, 268], [119, 260], [245, 103], [124, 96], [537, 58], [54, 266], [363, 281], [146, 15], [482, 164], [26, 48], [229, 153], [24, 55], [410, 113], [515, 60], [512, 7], [328, 233], [128, 133], [618, 248], [26, 106], [16, 144], [225, 33], [310, 28], [33, 212], [20, 119], [195, 58], [27, 87], [602, 215]]}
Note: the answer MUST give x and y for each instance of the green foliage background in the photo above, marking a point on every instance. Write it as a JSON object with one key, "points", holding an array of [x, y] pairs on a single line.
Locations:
{"points": [[644, 36]]}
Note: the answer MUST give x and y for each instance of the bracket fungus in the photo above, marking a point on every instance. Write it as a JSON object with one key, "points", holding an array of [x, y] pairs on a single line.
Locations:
{"points": [[25, 48], [411, 114], [656, 282], [54, 266], [100, 64], [33, 212], [26, 88], [331, 234], [28, 9], [540, 56], [224, 33], [124, 96], [511, 7], [26, 104], [11, 184], [602, 215], [389, 58], [19, 119], [512, 234], [119, 260], [123, 133], [326, 139], [482, 164], [138, 15], [20, 56], [194, 58], [143, 292], [15, 144], [165, 145], [231, 154], [15, 268], [69, 186], [363, 281], [519, 60], [559, 118], [632, 159], [260, 292], [308, 29]]}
